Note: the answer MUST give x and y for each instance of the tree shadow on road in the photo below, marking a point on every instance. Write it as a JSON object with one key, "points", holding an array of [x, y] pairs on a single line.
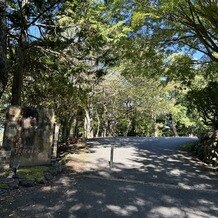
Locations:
{"points": [[146, 181]]}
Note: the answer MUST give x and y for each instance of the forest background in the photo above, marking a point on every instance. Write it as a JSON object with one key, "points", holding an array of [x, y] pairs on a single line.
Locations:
{"points": [[113, 67]]}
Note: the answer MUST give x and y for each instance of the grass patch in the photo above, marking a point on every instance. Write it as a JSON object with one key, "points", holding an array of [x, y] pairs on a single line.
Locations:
{"points": [[33, 173], [189, 147]]}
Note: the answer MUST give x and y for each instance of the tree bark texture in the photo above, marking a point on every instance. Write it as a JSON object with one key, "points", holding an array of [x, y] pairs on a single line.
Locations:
{"points": [[88, 125], [3, 46], [17, 85]]}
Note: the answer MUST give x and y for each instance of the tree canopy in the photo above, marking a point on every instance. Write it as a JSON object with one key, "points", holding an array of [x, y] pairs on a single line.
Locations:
{"points": [[111, 67]]}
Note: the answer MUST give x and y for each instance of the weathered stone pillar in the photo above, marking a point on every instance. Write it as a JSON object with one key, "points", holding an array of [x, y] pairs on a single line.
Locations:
{"points": [[12, 128], [11, 137], [30, 135], [44, 135], [5, 156]]}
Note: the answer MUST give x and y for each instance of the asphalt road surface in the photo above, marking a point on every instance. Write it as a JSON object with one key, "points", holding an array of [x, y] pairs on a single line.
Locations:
{"points": [[150, 177]]}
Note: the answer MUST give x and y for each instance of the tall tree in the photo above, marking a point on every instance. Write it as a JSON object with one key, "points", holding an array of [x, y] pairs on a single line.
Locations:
{"points": [[24, 34], [183, 24], [65, 64], [3, 70]]}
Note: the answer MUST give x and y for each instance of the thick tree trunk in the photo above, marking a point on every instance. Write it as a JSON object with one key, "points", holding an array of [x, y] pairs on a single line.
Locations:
{"points": [[3, 46], [17, 85]]}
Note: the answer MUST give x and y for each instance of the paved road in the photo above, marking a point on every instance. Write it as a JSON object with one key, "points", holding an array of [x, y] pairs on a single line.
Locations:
{"points": [[150, 178]]}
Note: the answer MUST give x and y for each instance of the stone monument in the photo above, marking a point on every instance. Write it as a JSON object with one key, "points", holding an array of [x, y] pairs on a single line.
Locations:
{"points": [[30, 135]]}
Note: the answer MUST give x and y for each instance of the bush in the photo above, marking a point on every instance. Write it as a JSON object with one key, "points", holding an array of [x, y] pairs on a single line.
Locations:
{"points": [[190, 147], [207, 148]]}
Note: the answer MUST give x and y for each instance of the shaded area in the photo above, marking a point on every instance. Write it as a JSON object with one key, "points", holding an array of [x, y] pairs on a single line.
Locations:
{"points": [[150, 179], [145, 159]]}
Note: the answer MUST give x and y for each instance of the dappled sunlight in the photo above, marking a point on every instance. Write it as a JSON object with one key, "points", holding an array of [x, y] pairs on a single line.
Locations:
{"points": [[99, 159], [70, 193], [140, 202], [64, 181], [136, 158], [193, 213], [166, 212], [176, 172], [75, 207], [127, 188], [173, 160], [126, 211], [168, 199], [104, 174], [202, 186], [151, 166], [184, 186], [143, 182]]}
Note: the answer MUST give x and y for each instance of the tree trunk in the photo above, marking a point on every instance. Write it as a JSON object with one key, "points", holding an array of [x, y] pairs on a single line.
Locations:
{"points": [[69, 126], [128, 127], [76, 128], [17, 85], [88, 125], [172, 125], [63, 131], [66, 126], [154, 123], [3, 46], [98, 124]]}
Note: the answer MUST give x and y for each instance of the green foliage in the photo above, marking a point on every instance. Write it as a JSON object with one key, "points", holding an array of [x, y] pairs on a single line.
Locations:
{"points": [[61, 53], [180, 68], [33, 173], [190, 147], [206, 102], [135, 106], [182, 24]]}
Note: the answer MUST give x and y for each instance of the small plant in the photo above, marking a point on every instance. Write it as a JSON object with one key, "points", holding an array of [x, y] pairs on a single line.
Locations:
{"points": [[189, 147]]}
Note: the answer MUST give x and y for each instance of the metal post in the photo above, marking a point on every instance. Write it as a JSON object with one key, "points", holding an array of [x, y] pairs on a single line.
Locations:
{"points": [[112, 156]]}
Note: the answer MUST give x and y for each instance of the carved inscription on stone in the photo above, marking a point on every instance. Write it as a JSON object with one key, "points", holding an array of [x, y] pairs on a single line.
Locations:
{"points": [[29, 133]]}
